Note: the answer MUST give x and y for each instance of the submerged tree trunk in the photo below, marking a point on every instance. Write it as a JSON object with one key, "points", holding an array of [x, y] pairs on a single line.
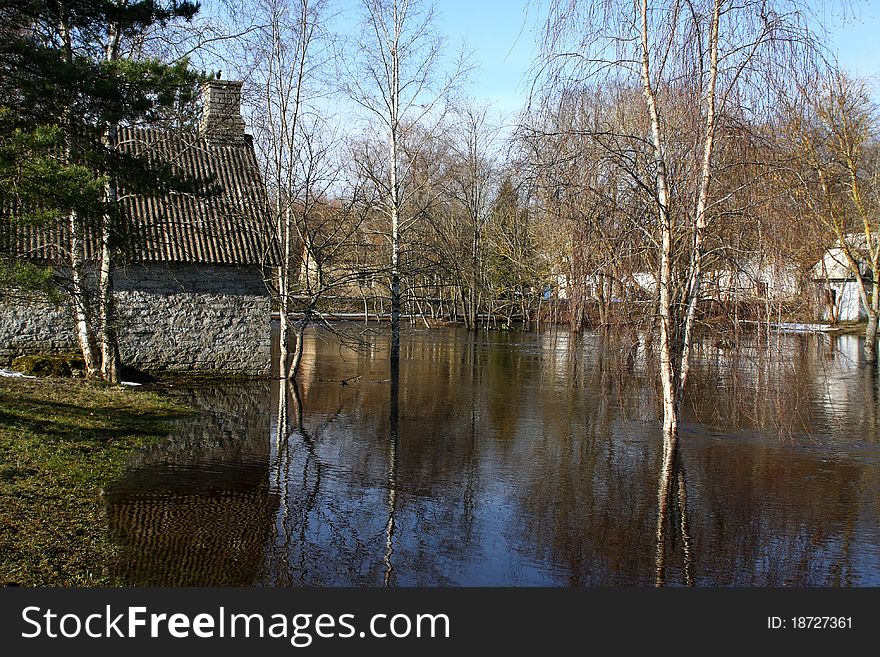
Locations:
{"points": [[285, 268], [465, 305], [298, 350], [394, 188], [873, 309], [871, 338], [475, 274], [395, 303], [283, 325], [668, 360], [677, 322]]}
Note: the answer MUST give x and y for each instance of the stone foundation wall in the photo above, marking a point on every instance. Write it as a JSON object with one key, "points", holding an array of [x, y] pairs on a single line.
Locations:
{"points": [[192, 317], [28, 328]]}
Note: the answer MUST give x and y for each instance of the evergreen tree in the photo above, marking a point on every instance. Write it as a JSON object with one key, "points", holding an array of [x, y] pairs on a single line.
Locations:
{"points": [[510, 252], [67, 85]]}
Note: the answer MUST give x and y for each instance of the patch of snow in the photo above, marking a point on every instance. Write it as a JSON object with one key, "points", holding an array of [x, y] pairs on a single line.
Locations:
{"points": [[129, 383], [12, 374], [793, 327]]}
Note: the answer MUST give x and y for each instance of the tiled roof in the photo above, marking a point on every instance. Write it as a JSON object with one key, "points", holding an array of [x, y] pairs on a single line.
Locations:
{"points": [[230, 226]]}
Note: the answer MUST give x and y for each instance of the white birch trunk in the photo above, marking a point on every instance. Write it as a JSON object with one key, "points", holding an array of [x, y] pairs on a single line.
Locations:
{"points": [[81, 308], [84, 335], [284, 326], [695, 278], [284, 293], [285, 136], [110, 362], [395, 198], [667, 318], [298, 350], [668, 324]]}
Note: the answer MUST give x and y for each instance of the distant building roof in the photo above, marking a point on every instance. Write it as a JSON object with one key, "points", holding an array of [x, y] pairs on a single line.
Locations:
{"points": [[230, 226]]}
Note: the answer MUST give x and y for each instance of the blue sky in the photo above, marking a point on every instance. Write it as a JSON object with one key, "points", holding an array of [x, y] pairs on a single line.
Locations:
{"points": [[502, 35], [856, 38], [502, 38]]}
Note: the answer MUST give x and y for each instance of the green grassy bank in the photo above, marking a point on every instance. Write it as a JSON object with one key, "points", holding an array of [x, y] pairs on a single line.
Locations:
{"points": [[61, 442]]}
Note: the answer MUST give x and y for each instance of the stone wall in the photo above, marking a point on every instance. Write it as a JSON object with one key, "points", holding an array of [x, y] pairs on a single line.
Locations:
{"points": [[171, 317], [27, 328]]}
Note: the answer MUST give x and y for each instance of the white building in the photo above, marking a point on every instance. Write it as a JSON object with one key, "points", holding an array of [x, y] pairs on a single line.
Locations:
{"points": [[838, 285], [752, 280]]}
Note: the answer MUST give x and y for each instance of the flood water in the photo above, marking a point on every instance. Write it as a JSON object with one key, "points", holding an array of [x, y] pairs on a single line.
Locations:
{"points": [[514, 458]]}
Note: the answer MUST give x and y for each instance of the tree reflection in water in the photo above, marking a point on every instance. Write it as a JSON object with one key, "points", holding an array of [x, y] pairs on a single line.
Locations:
{"points": [[298, 480], [517, 458], [392, 468], [669, 508]]}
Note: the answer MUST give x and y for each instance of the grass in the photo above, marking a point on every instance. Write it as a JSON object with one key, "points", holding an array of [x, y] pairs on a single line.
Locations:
{"points": [[50, 364], [62, 441]]}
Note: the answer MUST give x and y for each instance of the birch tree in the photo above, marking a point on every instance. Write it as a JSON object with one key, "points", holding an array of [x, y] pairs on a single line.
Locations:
{"points": [[76, 65], [833, 134], [284, 63], [396, 79], [316, 216], [695, 62]]}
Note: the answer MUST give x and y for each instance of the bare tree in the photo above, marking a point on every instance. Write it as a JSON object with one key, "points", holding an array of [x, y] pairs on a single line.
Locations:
{"points": [[695, 62], [586, 164], [833, 134], [397, 81], [469, 185], [285, 55]]}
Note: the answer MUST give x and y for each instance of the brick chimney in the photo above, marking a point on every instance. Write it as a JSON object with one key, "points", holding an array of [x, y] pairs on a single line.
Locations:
{"points": [[221, 111]]}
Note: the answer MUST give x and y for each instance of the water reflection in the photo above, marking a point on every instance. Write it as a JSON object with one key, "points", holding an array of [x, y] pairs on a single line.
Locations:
{"points": [[516, 458], [197, 511], [672, 520], [295, 473], [394, 411]]}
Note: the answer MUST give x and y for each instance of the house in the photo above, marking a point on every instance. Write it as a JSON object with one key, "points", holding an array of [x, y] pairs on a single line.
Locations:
{"points": [[600, 286], [190, 290], [752, 279], [749, 280], [837, 284]]}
